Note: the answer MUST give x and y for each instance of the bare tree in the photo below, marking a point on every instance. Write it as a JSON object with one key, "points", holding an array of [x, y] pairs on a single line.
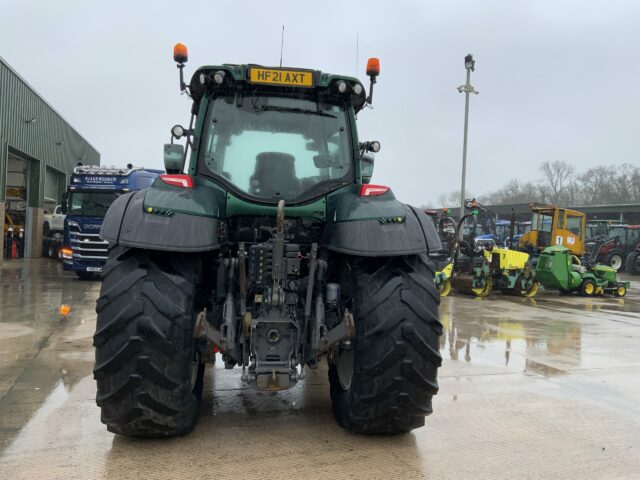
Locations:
{"points": [[452, 199], [556, 177], [514, 191], [561, 185]]}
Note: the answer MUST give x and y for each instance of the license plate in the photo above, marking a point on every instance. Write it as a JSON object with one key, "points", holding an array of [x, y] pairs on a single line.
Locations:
{"points": [[290, 78], [94, 269]]}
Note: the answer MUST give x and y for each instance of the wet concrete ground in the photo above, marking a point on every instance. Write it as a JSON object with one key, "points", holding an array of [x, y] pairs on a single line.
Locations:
{"points": [[530, 388]]}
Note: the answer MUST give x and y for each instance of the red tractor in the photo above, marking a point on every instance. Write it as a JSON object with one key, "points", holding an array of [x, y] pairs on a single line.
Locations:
{"points": [[613, 249], [633, 261]]}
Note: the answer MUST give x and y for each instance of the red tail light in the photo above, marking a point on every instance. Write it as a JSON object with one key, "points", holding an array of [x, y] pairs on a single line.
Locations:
{"points": [[183, 181], [373, 190]]}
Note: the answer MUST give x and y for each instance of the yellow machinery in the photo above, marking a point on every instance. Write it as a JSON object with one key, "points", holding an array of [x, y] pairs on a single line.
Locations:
{"points": [[443, 281], [553, 225], [511, 271], [501, 268]]}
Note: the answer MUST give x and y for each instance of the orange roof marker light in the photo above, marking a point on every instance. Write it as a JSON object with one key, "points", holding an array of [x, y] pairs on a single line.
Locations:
{"points": [[64, 310], [181, 56], [373, 70], [373, 67], [180, 53]]}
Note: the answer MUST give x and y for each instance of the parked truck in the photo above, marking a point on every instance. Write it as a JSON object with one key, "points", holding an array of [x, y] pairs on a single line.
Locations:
{"points": [[92, 189]]}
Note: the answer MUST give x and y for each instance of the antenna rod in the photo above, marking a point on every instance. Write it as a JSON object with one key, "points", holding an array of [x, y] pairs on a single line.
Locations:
{"points": [[281, 45], [357, 47]]}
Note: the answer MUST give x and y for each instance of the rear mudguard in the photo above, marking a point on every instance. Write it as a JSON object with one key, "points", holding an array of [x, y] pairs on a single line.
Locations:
{"points": [[377, 226], [188, 220], [166, 218]]}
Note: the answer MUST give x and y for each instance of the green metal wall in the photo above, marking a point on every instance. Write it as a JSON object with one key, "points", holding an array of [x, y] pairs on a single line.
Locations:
{"points": [[51, 141]]}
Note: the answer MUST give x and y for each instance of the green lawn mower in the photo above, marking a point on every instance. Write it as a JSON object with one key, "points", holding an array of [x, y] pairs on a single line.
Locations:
{"points": [[558, 269]]}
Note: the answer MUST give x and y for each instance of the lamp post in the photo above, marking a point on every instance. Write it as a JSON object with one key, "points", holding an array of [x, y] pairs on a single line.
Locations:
{"points": [[467, 88]]}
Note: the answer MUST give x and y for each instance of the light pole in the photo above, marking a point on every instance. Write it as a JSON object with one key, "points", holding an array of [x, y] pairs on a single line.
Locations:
{"points": [[467, 88]]}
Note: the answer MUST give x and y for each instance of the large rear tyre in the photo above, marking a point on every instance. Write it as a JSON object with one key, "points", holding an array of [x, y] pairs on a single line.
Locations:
{"points": [[148, 369], [384, 381], [614, 260], [633, 263]]}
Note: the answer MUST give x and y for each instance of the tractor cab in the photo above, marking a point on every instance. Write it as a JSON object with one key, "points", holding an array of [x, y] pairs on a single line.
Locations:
{"points": [[267, 134], [553, 225]]}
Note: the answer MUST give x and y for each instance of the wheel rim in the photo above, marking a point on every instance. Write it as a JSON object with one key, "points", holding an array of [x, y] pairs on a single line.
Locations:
{"points": [[195, 367], [588, 288], [344, 367], [622, 291], [483, 291], [531, 291], [445, 288], [616, 262]]}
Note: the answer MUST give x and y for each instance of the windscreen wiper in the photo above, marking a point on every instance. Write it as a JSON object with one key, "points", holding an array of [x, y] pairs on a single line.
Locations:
{"points": [[294, 110]]}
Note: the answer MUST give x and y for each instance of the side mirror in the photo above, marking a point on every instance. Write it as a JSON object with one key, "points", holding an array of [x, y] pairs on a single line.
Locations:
{"points": [[173, 158], [366, 167], [63, 205]]}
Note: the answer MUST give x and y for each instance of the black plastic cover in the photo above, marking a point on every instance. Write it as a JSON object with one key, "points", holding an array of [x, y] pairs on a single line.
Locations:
{"points": [[417, 234], [126, 223], [434, 243]]}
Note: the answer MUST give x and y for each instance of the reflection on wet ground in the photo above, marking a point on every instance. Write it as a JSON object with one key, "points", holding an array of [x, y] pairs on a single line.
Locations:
{"points": [[530, 388]]}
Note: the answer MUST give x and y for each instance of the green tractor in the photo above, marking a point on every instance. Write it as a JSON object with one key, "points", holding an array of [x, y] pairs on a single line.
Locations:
{"points": [[271, 247], [559, 269]]}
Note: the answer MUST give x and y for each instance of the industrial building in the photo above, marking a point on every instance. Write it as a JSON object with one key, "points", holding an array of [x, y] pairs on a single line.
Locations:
{"points": [[38, 150]]}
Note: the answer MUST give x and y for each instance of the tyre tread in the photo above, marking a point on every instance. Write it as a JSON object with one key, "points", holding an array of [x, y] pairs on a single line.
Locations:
{"points": [[143, 343], [397, 349]]}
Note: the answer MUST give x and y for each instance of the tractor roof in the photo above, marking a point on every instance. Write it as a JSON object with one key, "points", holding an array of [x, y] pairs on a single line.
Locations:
{"points": [[273, 79], [540, 207], [627, 227]]}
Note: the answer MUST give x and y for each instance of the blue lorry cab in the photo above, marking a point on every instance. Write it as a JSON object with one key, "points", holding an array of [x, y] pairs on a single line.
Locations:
{"points": [[92, 189]]}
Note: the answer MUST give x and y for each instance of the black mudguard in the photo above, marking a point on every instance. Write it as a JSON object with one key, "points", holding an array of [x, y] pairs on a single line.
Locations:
{"points": [[127, 223], [378, 227]]}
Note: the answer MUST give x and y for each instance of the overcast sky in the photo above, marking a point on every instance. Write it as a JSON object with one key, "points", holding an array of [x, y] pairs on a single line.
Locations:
{"points": [[557, 80]]}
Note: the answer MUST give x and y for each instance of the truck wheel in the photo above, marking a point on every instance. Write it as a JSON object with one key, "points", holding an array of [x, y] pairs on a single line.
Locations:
{"points": [[614, 260], [148, 370], [385, 380], [85, 275], [633, 263], [587, 288]]}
